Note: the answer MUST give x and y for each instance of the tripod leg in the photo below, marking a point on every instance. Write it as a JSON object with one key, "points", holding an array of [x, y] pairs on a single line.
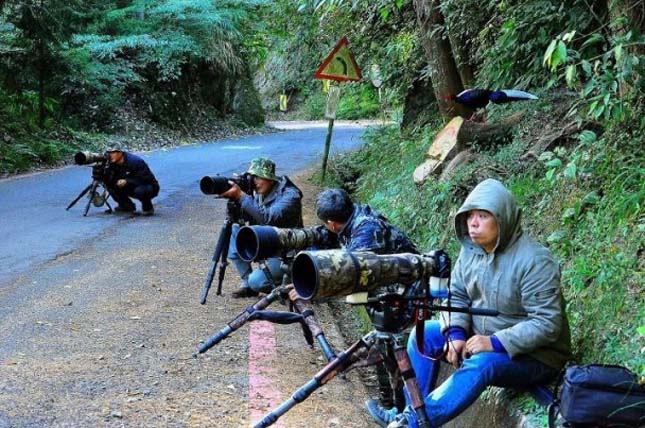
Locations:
{"points": [[393, 374], [107, 196], [83, 192], [223, 261], [410, 379], [219, 247], [344, 359], [95, 184]]}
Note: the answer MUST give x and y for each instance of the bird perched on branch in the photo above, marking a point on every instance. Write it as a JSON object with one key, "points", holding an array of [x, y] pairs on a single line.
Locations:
{"points": [[479, 98]]}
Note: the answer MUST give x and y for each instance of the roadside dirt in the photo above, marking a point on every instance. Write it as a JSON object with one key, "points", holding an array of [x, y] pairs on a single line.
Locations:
{"points": [[107, 336]]}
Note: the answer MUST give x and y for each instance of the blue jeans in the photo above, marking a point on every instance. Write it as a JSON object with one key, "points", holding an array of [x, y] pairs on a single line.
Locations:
{"points": [[465, 385], [256, 279]]}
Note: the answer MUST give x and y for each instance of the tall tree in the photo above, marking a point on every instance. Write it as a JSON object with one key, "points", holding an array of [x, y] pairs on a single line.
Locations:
{"points": [[444, 73]]}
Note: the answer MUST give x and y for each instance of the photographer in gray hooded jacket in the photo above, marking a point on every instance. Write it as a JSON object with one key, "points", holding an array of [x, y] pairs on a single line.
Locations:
{"points": [[499, 267]]}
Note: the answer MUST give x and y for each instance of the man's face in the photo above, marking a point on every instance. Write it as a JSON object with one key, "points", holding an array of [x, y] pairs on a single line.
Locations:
{"points": [[483, 229], [116, 157], [263, 186], [333, 226]]}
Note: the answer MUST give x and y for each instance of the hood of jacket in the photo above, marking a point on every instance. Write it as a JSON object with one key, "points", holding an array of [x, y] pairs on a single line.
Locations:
{"points": [[491, 195]]}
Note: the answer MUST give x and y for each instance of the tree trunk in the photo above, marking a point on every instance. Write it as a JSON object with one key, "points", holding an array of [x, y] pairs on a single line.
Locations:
{"points": [[443, 69], [462, 59], [419, 101], [634, 11], [41, 64], [454, 139]]}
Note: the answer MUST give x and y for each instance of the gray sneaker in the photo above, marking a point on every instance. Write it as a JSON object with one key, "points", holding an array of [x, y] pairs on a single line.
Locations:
{"points": [[400, 422], [380, 415]]}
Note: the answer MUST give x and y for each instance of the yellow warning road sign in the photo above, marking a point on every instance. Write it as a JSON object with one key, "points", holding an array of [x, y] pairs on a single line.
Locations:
{"points": [[340, 64], [283, 102]]}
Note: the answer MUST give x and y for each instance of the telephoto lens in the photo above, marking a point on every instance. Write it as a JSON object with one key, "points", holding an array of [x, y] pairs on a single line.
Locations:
{"points": [[85, 158], [335, 273], [261, 242], [214, 185]]}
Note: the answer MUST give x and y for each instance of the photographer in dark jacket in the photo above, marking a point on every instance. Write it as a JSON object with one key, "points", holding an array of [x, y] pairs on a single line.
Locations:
{"points": [[276, 201], [128, 176]]}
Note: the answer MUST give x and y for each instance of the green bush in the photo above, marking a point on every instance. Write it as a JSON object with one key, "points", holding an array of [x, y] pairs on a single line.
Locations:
{"points": [[358, 101]]}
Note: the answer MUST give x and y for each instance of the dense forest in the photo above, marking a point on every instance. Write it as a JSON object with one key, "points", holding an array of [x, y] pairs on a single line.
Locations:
{"points": [[79, 73]]}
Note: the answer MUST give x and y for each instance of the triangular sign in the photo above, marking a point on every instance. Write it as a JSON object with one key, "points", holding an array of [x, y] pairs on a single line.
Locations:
{"points": [[340, 64]]}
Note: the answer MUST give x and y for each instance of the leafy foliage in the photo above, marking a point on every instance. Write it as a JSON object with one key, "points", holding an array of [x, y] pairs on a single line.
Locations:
{"points": [[381, 32], [608, 71]]}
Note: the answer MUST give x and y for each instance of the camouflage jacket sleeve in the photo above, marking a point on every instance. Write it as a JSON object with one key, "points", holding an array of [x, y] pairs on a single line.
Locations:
{"points": [[368, 235]]}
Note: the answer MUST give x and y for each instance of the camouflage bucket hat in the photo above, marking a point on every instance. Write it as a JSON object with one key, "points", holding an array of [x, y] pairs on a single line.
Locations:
{"points": [[263, 168], [115, 146]]}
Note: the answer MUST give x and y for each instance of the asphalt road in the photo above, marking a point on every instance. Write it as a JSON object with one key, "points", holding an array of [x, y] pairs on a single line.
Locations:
{"points": [[99, 315], [35, 227]]}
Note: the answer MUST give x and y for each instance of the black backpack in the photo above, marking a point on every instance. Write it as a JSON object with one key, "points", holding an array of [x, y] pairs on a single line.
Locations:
{"points": [[599, 396]]}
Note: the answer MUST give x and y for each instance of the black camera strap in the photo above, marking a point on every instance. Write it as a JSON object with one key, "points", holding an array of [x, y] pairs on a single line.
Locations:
{"points": [[421, 316]]}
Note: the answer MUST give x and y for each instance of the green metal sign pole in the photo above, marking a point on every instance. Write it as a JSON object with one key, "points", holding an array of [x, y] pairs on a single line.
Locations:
{"points": [[327, 145]]}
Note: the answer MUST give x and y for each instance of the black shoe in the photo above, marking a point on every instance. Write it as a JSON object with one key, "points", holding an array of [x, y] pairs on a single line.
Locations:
{"points": [[244, 292], [146, 205], [149, 212], [380, 415], [125, 208]]}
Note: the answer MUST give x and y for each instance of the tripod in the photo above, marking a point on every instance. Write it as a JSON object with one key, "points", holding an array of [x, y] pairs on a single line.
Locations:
{"points": [[363, 353], [233, 216], [304, 315], [365, 350], [95, 195]]}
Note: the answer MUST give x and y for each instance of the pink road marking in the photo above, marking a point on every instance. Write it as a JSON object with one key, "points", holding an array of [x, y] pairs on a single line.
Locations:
{"points": [[263, 395]]}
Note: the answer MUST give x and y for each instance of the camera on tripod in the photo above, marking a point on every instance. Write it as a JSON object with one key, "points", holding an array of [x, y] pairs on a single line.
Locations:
{"points": [[217, 184], [97, 160], [391, 286], [97, 191], [86, 158]]}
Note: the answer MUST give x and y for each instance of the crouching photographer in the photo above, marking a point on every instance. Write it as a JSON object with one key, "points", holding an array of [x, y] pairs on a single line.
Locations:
{"points": [[128, 176], [275, 201]]}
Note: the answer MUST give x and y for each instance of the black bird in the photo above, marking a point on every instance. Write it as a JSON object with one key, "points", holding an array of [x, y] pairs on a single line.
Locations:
{"points": [[478, 98]]}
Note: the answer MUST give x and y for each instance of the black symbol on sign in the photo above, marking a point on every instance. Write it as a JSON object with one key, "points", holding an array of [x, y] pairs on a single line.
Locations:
{"points": [[344, 64]]}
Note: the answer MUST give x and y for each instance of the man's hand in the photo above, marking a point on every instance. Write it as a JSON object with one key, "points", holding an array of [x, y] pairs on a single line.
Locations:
{"points": [[121, 183], [235, 193], [455, 351], [477, 344], [293, 295]]}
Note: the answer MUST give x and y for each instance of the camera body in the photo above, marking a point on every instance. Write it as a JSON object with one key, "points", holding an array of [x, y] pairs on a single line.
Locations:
{"points": [[217, 184]]}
